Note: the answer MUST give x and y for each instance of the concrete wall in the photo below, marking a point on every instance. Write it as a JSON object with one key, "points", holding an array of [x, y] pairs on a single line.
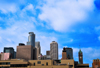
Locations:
{"points": [[50, 62], [68, 62]]}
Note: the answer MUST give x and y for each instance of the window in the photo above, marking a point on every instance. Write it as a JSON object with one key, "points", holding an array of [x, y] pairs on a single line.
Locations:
{"points": [[34, 64], [71, 65], [7, 50], [8, 63], [46, 63], [42, 64], [18, 65], [4, 63], [39, 62]]}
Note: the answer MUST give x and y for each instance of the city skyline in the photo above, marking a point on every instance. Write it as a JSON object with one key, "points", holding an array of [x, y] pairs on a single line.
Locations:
{"points": [[69, 22]]}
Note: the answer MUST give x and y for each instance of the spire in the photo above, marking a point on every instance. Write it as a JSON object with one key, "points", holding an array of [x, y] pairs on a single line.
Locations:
{"points": [[80, 51]]}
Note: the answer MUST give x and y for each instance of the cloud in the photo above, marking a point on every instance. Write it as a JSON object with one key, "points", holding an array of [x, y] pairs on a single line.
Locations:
{"points": [[61, 15], [8, 8], [29, 7]]}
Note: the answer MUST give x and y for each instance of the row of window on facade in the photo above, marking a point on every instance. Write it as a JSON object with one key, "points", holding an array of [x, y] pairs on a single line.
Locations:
{"points": [[5, 63]]}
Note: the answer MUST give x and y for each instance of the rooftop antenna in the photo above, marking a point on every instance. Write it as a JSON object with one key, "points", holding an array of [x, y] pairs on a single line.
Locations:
{"points": [[79, 47]]}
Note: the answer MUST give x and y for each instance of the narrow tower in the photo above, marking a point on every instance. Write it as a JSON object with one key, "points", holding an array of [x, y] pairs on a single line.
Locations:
{"points": [[54, 50], [80, 54]]}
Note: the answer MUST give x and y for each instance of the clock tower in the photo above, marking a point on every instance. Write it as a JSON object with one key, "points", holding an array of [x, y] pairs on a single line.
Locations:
{"points": [[80, 54]]}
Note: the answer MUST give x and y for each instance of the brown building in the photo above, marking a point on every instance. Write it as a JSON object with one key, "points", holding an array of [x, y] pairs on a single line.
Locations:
{"points": [[64, 54], [83, 66], [47, 52], [80, 54], [26, 52], [16, 63], [96, 63]]}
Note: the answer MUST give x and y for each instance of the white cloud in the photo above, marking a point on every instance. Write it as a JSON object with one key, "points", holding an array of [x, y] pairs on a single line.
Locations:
{"points": [[29, 7], [60, 15], [6, 8]]}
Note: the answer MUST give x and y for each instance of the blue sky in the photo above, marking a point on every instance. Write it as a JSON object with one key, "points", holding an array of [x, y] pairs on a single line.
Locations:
{"points": [[69, 22]]}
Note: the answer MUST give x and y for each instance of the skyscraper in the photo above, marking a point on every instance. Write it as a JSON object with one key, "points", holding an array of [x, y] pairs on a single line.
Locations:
{"points": [[38, 49], [80, 54], [69, 52], [27, 52], [31, 39], [54, 50]]}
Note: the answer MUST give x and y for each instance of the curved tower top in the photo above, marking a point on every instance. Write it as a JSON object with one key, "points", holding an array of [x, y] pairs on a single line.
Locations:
{"points": [[31, 39]]}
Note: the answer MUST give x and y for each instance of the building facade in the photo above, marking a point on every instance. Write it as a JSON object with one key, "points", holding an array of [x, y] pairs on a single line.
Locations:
{"points": [[96, 63], [38, 49], [26, 52], [69, 52], [10, 50], [31, 39], [80, 55], [54, 50], [64, 54], [16, 63], [47, 52]]}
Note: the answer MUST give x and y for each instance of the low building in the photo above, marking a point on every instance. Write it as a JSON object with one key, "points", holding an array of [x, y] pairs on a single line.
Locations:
{"points": [[13, 63], [20, 63], [83, 66], [96, 63], [5, 56]]}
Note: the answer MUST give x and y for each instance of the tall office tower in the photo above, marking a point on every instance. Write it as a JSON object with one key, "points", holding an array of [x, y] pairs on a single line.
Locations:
{"points": [[31, 39], [64, 54], [10, 50], [80, 54], [26, 52], [38, 49], [69, 52], [54, 50]]}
